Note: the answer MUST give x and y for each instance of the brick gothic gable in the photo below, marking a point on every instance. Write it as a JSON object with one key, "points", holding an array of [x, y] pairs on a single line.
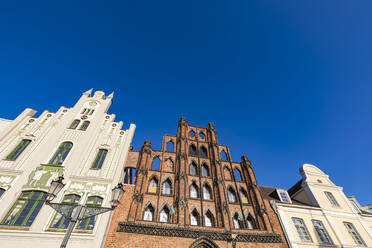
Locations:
{"points": [[203, 182]]}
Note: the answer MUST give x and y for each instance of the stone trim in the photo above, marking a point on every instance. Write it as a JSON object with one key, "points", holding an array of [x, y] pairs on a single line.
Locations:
{"points": [[197, 233]]}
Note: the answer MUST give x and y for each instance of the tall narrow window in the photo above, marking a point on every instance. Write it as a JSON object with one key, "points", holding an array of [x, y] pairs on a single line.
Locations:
{"points": [[354, 234], [192, 150], [18, 150], [88, 224], [194, 218], [59, 221], [205, 170], [302, 231], [155, 164], [100, 158], [74, 124], [193, 169], [322, 233], [208, 219], [331, 199], [153, 185], [203, 152], [170, 146], [84, 126], [25, 210], [223, 155], [129, 174], [164, 214], [149, 213], [207, 192], [231, 195], [167, 187], [194, 191], [251, 223], [61, 153], [2, 191], [243, 196], [227, 173], [238, 175], [192, 133], [238, 224]]}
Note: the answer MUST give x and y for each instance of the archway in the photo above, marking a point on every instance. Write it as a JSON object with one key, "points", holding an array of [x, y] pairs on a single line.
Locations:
{"points": [[203, 242]]}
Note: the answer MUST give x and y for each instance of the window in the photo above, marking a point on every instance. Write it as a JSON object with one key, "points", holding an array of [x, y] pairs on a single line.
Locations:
{"points": [[192, 150], [149, 213], [61, 153], [164, 214], [74, 124], [88, 224], [25, 210], [91, 112], [238, 175], [322, 233], [84, 126], [167, 187], [205, 170], [207, 192], [194, 218], [153, 185], [193, 169], [302, 231], [100, 158], [283, 196], [194, 191], [203, 152], [59, 221], [155, 164], [201, 135], [1, 191], [243, 196], [223, 155], [192, 133], [227, 173], [238, 224], [354, 234], [331, 199], [83, 111], [251, 223], [231, 195], [170, 146], [129, 174], [208, 219], [18, 150]]}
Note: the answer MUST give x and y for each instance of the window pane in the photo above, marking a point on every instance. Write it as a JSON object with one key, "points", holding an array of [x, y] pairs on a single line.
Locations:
{"points": [[322, 232], [301, 230], [18, 150]]}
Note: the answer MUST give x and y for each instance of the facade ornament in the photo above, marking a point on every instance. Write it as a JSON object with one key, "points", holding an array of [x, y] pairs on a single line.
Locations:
{"points": [[183, 203], [183, 176], [183, 155], [138, 197], [142, 171]]}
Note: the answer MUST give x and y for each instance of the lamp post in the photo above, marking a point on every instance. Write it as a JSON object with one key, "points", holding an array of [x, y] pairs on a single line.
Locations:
{"points": [[73, 212]]}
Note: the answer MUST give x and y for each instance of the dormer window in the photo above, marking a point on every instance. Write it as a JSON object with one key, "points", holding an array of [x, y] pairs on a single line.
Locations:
{"points": [[283, 196]]}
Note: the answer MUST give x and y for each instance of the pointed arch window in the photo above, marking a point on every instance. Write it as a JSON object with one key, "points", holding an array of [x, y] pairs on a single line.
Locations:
{"points": [[61, 153], [201, 135], [164, 214], [194, 191], [192, 133], [251, 223], [208, 219], [74, 124], [153, 185], [129, 175], [167, 187], [203, 152], [238, 175], [100, 158], [149, 213], [193, 169], [231, 195], [223, 155], [155, 164], [238, 224], [170, 146], [195, 218], [205, 170], [18, 149], [88, 224], [227, 173], [59, 221], [192, 150], [243, 196], [207, 192], [84, 126], [25, 209]]}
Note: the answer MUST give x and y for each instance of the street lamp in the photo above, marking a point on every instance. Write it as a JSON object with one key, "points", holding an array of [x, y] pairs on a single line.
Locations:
{"points": [[73, 212]]}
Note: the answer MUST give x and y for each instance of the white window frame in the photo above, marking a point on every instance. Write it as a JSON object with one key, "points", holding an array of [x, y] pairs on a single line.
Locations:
{"points": [[285, 192]]}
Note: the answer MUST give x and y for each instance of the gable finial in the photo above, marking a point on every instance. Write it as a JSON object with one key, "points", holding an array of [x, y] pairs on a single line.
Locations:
{"points": [[88, 92]]}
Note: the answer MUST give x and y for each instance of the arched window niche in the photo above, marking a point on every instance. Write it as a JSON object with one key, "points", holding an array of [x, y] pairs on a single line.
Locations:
{"points": [[231, 195], [194, 190], [207, 192], [193, 170], [203, 152], [155, 163], [238, 175], [167, 187], [192, 150], [148, 213], [223, 155], [194, 218], [205, 170], [153, 185], [169, 146], [209, 219], [61, 154], [164, 214]]}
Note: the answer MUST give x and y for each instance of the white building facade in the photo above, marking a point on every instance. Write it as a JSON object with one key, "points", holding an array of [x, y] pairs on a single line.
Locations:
{"points": [[82, 143]]}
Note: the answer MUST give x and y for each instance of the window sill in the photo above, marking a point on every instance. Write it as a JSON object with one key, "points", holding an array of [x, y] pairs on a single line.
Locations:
{"points": [[53, 165], [208, 200], [96, 169], [170, 195], [15, 228], [12, 160], [64, 230], [151, 193]]}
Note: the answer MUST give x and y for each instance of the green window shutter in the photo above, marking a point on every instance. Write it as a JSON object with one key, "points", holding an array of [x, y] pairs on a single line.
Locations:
{"points": [[18, 150], [100, 158]]}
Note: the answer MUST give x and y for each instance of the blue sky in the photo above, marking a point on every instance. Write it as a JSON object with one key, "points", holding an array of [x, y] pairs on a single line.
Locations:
{"points": [[284, 82]]}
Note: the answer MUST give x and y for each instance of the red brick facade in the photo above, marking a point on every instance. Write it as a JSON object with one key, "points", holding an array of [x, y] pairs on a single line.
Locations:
{"points": [[217, 202]]}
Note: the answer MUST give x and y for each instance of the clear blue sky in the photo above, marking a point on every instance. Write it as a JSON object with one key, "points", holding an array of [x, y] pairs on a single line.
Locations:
{"points": [[285, 82]]}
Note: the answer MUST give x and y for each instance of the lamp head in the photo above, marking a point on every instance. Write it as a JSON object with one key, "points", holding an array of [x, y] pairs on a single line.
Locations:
{"points": [[117, 194]]}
